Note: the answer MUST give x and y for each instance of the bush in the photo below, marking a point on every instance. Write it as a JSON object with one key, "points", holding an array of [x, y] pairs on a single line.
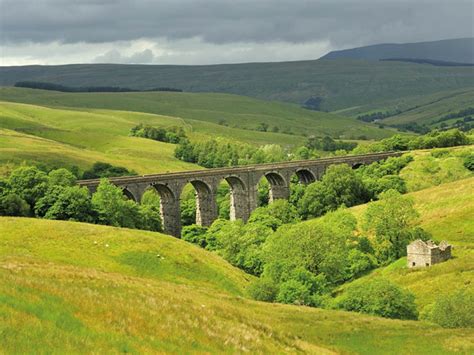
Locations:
{"points": [[294, 292], [469, 162], [195, 234], [13, 205], [454, 310], [379, 297], [263, 289]]}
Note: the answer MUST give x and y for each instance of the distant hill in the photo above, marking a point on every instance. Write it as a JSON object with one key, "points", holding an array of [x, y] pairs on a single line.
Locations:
{"points": [[334, 84], [459, 50]]}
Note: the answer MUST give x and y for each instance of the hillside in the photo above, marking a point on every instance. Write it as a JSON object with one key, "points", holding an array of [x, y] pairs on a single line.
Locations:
{"points": [[341, 83], [420, 109], [226, 110], [446, 212], [459, 50], [76, 287]]}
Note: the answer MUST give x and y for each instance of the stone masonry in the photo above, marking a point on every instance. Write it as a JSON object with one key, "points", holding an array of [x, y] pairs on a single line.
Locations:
{"points": [[423, 254], [243, 183]]}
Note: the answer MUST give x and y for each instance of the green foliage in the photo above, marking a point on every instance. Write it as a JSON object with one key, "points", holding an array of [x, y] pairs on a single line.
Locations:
{"points": [[263, 289], [339, 186], [392, 221], [188, 210], [29, 183], [73, 203], [102, 170], [61, 177], [275, 214], [454, 310], [171, 135], [294, 292], [360, 263], [216, 153], [195, 234], [113, 208], [13, 205], [378, 297], [320, 248], [469, 162]]}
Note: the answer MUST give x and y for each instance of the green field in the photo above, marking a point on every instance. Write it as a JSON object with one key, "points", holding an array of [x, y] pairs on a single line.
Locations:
{"points": [[342, 83], [235, 111], [59, 129], [75, 287], [422, 109]]}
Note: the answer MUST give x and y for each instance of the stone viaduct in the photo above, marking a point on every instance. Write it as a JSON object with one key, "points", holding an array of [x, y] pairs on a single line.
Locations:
{"points": [[243, 183]]}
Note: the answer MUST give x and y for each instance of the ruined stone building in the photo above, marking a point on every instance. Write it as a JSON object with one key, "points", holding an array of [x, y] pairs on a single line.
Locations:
{"points": [[422, 254]]}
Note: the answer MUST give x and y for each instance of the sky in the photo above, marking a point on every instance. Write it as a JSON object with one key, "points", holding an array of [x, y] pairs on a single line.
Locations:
{"points": [[216, 31]]}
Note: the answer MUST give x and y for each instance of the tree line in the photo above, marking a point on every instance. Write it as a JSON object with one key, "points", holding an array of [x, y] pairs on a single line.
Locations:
{"points": [[63, 88], [31, 192]]}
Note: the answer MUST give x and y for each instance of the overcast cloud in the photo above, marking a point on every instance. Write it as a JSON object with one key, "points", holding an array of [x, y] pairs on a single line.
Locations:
{"points": [[216, 31]]}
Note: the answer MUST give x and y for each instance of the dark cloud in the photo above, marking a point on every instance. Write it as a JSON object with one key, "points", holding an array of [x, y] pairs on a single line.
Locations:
{"points": [[344, 23]]}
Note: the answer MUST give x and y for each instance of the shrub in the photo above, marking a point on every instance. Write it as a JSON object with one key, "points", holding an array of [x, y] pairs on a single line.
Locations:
{"points": [[13, 205], [469, 162], [195, 234], [379, 297], [263, 289], [454, 310], [294, 292]]}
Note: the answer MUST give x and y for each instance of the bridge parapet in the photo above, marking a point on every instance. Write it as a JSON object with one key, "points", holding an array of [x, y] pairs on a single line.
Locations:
{"points": [[243, 183]]}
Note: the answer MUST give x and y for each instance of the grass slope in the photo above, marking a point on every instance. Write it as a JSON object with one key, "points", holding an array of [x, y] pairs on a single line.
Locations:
{"points": [[422, 109], [446, 212], [70, 287], [342, 83], [237, 111]]}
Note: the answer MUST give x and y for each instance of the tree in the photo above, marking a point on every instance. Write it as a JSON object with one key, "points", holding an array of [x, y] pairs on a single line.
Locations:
{"points": [[275, 214], [13, 205], [392, 221], [61, 177], [339, 186], [319, 247], [112, 208], [195, 234], [73, 203], [29, 183], [454, 310], [379, 297]]}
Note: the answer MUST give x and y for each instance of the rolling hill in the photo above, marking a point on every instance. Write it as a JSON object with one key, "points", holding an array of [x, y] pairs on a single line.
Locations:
{"points": [[75, 287], [460, 50], [446, 212], [420, 109], [340, 83], [68, 129]]}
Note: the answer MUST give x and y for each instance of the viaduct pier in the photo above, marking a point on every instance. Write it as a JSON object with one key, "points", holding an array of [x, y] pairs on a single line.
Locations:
{"points": [[243, 182]]}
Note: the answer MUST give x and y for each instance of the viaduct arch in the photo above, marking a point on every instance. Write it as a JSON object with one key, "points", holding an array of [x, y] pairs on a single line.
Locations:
{"points": [[243, 183]]}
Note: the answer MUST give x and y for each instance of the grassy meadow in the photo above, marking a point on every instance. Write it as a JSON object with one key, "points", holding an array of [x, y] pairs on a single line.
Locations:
{"points": [[75, 287], [232, 110]]}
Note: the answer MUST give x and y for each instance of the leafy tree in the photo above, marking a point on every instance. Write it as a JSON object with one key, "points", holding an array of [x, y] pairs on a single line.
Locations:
{"points": [[150, 217], [454, 310], [379, 297], [275, 214], [188, 210], [112, 208], [73, 203], [61, 177], [360, 263], [339, 186], [320, 248], [195, 234], [29, 183], [13, 205], [263, 289], [294, 292], [103, 170], [392, 221], [469, 162]]}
